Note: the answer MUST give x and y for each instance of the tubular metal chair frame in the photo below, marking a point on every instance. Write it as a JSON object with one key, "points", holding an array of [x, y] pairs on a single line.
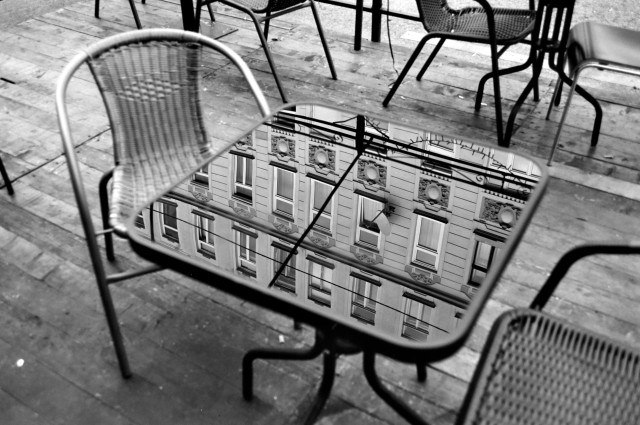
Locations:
{"points": [[579, 342], [5, 176], [92, 52], [264, 34], [572, 79], [134, 11]]}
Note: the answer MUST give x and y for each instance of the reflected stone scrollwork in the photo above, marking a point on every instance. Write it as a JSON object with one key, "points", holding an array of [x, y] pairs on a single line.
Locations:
{"points": [[372, 173], [321, 240], [201, 195], [244, 143], [433, 192], [322, 158], [283, 226], [422, 276], [469, 291], [505, 214], [283, 147], [242, 210], [366, 256]]}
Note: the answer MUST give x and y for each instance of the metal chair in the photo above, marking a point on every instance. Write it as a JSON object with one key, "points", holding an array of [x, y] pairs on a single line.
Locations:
{"points": [[600, 46], [134, 11], [5, 177], [272, 9], [495, 27], [539, 369], [150, 85]]}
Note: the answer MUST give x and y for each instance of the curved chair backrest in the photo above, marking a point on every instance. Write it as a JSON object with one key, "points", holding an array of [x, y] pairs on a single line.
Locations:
{"points": [[436, 15], [150, 84]]}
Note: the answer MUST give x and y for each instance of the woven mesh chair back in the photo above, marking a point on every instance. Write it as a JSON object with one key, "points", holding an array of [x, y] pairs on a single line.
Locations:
{"points": [[152, 94], [546, 371], [263, 6]]}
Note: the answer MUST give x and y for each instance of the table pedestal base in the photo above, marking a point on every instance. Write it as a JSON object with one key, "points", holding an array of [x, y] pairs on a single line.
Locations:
{"points": [[332, 347]]}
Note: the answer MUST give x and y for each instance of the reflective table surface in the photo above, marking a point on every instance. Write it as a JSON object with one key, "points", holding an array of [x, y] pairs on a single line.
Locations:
{"points": [[392, 235]]}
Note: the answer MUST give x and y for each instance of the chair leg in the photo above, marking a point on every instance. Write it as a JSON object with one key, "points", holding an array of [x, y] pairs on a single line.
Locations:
{"points": [[104, 209], [96, 11], [135, 13], [267, 20], [556, 95], [368, 364], [497, 95], [506, 71], [531, 85], [325, 46], [432, 56], [267, 52], [211, 15], [564, 115], [5, 177], [405, 70]]}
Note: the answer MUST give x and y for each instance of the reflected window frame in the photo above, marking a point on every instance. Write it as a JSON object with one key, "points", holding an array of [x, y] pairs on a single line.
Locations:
{"points": [[327, 214], [280, 199], [419, 249], [204, 233], [479, 268], [246, 250], [286, 281], [367, 228], [201, 177], [169, 221], [364, 298], [320, 283], [243, 183], [416, 318]]}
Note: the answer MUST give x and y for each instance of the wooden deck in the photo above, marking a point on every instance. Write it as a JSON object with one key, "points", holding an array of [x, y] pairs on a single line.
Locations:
{"points": [[185, 341]]}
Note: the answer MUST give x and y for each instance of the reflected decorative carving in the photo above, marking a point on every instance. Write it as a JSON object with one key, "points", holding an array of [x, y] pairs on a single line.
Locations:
{"points": [[283, 147], [245, 142], [366, 256], [287, 228], [433, 192], [242, 210], [503, 213], [322, 158], [372, 173], [422, 276], [202, 197]]}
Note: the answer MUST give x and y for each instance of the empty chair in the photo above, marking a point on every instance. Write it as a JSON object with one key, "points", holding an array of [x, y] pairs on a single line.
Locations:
{"points": [[134, 11], [495, 27], [595, 45], [150, 85], [271, 9], [540, 369]]}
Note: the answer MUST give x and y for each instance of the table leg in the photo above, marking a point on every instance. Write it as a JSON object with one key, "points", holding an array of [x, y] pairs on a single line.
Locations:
{"points": [[368, 364], [357, 36], [188, 17], [376, 20], [5, 177]]}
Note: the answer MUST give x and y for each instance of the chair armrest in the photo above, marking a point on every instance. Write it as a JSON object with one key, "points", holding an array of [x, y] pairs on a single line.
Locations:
{"points": [[575, 254]]}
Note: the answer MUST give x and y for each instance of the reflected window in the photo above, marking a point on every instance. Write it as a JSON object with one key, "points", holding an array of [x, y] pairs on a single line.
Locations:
{"points": [[319, 194], [417, 313], [140, 221], [365, 296], [205, 236], [243, 178], [482, 258], [428, 242], [518, 172], [201, 176], [368, 232], [320, 283], [287, 279], [169, 221], [439, 151], [284, 189], [246, 252]]}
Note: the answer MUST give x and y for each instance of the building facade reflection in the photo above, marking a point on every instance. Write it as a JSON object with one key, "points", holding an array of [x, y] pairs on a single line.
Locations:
{"points": [[402, 245]]}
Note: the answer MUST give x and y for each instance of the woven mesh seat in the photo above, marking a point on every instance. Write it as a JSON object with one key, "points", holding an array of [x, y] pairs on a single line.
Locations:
{"points": [[272, 9], [150, 84], [545, 371], [538, 369]]}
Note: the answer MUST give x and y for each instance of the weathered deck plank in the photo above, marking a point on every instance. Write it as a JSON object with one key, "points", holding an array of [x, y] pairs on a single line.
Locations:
{"points": [[185, 340]]}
